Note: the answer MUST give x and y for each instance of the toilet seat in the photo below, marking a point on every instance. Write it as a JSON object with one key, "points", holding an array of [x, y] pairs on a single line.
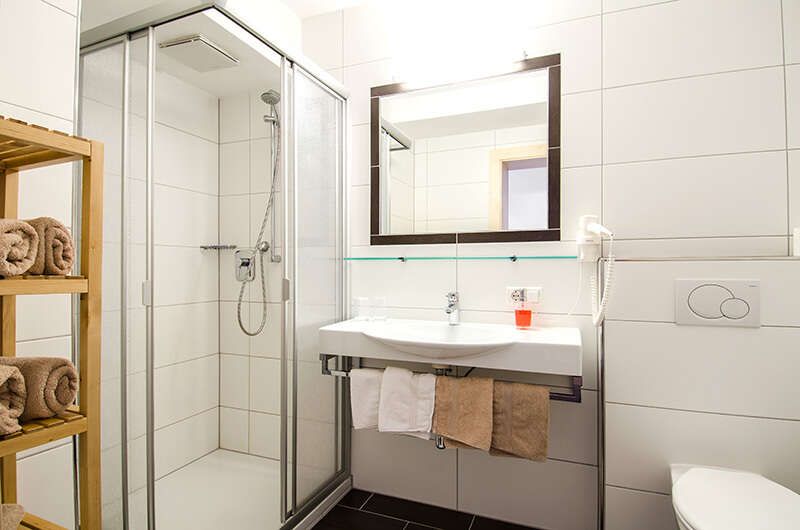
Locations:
{"points": [[717, 499]]}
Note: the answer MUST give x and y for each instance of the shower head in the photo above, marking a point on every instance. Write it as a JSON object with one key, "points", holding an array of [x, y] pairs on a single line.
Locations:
{"points": [[270, 97]]}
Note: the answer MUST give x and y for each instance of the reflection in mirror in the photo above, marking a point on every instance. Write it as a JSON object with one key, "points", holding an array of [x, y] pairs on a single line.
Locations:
{"points": [[467, 158]]}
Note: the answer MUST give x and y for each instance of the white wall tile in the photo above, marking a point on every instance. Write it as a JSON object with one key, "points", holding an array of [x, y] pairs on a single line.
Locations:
{"points": [[184, 218], [44, 485], [366, 34], [57, 202], [633, 510], [549, 494], [186, 389], [793, 105], [459, 166], [44, 74], [261, 166], [265, 432], [555, 11], [234, 381], [645, 290], [639, 45], [358, 80], [359, 155], [482, 284], [183, 106], [268, 342], [186, 441], [791, 30], [426, 474], [580, 195], [172, 342], [323, 40], [727, 370], [359, 215], [581, 129], [185, 161], [642, 442], [705, 247], [458, 201], [694, 116], [231, 338], [735, 195], [234, 168], [43, 316], [578, 42], [265, 385], [617, 5], [234, 118], [233, 427], [174, 286], [234, 220]]}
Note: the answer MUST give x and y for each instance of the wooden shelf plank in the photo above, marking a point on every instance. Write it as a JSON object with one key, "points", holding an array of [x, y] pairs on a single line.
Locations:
{"points": [[23, 133], [35, 438], [42, 285], [37, 523]]}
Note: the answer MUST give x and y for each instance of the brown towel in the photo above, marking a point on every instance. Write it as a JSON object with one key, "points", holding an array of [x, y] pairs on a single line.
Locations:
{"points": [[463, 410], [12, 399], [10, 516], [56, 250], [19, 244], [52, 384], [521, 420]]}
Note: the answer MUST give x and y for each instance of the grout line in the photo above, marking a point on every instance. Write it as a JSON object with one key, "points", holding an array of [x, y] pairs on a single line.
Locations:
{"points": [[637, 7], [687, 157], [786, 136], [73, 15], [706, 412], [372, 494], [472, 522], [692, 76], [640, 490]]}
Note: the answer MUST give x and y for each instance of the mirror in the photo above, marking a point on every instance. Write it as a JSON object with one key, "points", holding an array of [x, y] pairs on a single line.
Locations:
{"points": [[475, 161]]}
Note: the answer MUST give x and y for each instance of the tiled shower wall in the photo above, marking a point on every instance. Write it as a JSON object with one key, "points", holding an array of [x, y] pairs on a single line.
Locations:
{"points": [[249, 366], [681, 127], [185, 217], [38, 87]]}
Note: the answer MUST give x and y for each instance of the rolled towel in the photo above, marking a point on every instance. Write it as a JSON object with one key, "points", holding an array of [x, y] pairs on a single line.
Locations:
{"points": [[56, 249], [19, 244], [11, 516], [12, 399], [52, 384]]}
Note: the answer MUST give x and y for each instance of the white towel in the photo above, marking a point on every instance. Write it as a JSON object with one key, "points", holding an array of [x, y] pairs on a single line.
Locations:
{"points": [[406, 403], [365, 393]]}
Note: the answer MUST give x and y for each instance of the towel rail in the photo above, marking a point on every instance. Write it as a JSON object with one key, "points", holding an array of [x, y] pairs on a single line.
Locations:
{"points": [[573, 396]]}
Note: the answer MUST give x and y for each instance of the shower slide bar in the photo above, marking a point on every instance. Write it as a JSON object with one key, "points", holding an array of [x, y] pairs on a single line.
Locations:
{"points": [[573, 396]]}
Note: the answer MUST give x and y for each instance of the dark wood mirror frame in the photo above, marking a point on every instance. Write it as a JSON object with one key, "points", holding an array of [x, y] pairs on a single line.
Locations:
{"points": [[553, 233]]}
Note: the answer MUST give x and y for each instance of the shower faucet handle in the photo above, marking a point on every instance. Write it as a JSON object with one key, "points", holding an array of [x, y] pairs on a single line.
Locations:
{"points": [[245, 263]]}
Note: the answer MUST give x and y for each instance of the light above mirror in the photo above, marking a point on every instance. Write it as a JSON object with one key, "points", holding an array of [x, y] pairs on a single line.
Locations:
{"points": [[474, 161]]}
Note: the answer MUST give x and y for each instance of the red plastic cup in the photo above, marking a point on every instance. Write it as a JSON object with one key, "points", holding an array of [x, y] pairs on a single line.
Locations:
{"points": [[523, 318]]}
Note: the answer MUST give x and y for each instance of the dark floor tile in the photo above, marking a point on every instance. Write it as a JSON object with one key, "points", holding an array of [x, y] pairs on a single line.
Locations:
{"points": [[414, 526], [481, 523], [341, 518], [417, 512], [355, 498]]}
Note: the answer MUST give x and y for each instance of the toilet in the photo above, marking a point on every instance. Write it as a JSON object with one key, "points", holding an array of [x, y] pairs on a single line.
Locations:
{"points": [[713, 498]]}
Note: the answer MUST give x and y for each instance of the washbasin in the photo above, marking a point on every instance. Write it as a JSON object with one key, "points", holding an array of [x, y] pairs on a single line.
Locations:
{"points": [[439, 339], [548, 350]]}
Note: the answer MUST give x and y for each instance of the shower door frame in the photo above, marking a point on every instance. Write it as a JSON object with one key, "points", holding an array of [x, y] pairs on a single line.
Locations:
{"points": [[291, 513]]}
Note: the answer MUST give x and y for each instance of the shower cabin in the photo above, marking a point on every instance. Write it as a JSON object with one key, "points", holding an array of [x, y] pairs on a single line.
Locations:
{"points": [[223, 246]]}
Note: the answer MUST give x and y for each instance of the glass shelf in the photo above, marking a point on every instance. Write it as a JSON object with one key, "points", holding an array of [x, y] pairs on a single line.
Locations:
{"points": [[458, 258]]}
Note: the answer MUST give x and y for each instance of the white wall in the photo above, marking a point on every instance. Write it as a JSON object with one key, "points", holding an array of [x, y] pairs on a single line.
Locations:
{"points": [[687, 147], [249, 366], [37, 50]]}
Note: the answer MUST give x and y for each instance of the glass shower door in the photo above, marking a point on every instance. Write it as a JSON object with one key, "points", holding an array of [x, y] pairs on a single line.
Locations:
{"points": [[315, 456]]}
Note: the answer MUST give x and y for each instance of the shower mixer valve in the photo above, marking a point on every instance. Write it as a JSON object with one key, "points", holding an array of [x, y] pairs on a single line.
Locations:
{"points": [[245, 263]]}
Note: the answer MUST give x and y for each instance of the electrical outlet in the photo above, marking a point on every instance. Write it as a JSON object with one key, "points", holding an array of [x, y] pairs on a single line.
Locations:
{"points": [[518, 295]]}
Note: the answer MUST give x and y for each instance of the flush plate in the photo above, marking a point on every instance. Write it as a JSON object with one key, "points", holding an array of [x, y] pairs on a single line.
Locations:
{"points": [[714, 302]]}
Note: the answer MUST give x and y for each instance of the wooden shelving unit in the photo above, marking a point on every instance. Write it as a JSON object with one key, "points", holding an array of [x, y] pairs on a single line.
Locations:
{"points": [[24, 146]]}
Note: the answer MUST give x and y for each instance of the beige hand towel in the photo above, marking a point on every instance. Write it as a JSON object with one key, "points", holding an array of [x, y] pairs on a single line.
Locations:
{"points": [[12, 399], [463, 411], [10, 516], [19, 244], [521, 420], [56, 249], [52, 384]]}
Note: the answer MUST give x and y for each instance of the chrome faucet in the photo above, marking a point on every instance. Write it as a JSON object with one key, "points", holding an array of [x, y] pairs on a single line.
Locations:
{"points": [[452, 308]]}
